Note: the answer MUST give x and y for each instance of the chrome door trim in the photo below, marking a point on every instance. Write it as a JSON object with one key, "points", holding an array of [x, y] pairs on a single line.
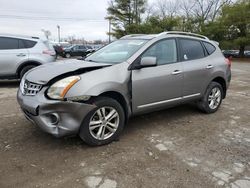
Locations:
{"points": [[193, 95], [167, 101]]}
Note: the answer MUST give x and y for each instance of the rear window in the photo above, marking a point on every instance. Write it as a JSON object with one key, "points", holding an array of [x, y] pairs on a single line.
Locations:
{"points": [[191, 49], [26, 43], [8, 43], [209, 47]]}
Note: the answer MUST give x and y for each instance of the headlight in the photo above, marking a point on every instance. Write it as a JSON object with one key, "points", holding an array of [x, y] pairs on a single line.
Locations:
{"points": [[59, 89]]}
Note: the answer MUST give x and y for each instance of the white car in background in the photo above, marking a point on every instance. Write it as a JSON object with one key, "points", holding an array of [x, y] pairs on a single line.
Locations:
{"points": [[19, 54]]}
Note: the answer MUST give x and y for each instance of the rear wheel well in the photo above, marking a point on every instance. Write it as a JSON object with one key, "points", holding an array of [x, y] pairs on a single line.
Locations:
{"points": [[119, 98], [26, 64], [222, 82]]}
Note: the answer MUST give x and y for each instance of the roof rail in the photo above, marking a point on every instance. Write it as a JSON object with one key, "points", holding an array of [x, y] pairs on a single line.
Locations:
{"points": [[18, 35], [133, 35], [183, 33]]}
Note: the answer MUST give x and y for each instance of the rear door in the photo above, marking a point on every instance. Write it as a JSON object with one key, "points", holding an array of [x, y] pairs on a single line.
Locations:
{"points": [[195, 74], [12, 52], [156, 87]]}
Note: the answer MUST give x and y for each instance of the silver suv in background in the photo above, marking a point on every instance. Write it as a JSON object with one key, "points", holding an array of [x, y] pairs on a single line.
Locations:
{"points": [[136, 74], [18, 54]]}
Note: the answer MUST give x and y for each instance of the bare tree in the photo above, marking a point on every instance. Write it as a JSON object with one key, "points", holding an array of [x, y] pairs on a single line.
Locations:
{"points": [[166, 8], [205, 10], [186, 8], [202, 11]]}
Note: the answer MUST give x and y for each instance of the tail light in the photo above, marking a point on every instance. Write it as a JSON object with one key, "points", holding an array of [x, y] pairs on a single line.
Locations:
{"points": [[229, 62], [49, 52]]}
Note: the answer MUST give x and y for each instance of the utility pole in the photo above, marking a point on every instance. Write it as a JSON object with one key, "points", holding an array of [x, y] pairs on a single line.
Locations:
{"points": [[109, 30], [58, 30]]}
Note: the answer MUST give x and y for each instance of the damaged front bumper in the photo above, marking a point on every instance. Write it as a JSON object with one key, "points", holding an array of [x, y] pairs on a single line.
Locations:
{"points": [[59, 118]]}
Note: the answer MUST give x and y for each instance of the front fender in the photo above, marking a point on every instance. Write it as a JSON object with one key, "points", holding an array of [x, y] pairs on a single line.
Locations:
{"points": [[112, 78]]}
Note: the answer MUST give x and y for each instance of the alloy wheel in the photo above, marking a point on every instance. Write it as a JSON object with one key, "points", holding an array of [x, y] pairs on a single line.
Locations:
{"points": [[214, 98], [104, 123]]}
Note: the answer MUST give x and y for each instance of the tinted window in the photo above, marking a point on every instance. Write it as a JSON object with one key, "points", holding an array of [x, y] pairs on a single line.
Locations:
{"points": [[21, 44], [209, 47], [8, 43], [82, 47], [165, 52], [29, 43], [191, 49]]}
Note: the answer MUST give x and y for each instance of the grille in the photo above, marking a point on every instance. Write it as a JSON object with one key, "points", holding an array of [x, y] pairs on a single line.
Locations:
{"points": [[31, 89]]}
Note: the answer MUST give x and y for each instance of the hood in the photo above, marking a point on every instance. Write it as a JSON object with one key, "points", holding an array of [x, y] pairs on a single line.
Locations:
{"points": [[44, 73]]}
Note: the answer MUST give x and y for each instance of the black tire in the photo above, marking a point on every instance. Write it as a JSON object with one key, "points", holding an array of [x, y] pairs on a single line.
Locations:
{"points": [[25, 69], [100, 102], [203, 104]]}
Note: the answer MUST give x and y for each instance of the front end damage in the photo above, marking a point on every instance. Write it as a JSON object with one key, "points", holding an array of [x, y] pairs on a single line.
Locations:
{"points": [[59, 118]]}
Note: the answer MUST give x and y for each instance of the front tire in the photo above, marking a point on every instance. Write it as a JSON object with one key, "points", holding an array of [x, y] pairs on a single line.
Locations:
{"points": [[212, 99], [104, 123]]}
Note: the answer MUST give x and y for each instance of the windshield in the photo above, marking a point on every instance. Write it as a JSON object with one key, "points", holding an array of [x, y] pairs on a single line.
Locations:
{"points": [[116, 52]]}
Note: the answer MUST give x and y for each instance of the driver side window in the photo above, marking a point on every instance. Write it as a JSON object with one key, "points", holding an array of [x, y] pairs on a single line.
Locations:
{"points": [[165, 52]]}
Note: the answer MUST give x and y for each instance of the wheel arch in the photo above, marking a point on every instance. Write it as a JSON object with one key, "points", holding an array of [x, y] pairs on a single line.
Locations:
{"points": [[222, 82], [121, 99], [27, 63]]}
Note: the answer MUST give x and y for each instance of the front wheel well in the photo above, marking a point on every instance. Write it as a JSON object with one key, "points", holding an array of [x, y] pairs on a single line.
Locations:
{"points": [[26, 64], [119, 98], [222, 82]]}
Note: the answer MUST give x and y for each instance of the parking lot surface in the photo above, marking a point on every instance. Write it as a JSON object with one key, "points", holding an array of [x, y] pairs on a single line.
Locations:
{"points": [[178, 147]]}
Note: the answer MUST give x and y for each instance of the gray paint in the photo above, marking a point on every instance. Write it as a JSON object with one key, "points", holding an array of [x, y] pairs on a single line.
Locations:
{"points": [[153, 88]]}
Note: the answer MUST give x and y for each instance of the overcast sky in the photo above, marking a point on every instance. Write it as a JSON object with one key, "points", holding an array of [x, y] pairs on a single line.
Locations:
{"points": [[79, 18]]}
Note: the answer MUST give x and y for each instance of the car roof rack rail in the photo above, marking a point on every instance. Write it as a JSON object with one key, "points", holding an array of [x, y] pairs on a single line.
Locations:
{"points": [[183, 33], [133, 35]]}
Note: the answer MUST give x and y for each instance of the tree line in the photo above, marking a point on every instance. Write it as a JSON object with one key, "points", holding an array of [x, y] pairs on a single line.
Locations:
{"points": [[225, 21]]}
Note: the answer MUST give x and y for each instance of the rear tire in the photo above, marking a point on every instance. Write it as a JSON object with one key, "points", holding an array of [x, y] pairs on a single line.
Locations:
{"points": [[104, 123], [25, 69], [212, 98]]}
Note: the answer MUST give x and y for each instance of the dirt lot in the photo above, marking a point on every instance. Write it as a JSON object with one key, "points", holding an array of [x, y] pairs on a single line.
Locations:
{"points": [[178, 147]]}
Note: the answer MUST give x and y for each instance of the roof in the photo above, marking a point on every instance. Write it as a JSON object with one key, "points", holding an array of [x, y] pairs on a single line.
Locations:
{"points": [[18, 36]]}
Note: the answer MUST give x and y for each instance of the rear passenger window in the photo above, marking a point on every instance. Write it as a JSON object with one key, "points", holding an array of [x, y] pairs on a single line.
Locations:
{"points": [[8, 43], [209, 47], [191, 49], [21, 44], [29, 43], [164, 51]]}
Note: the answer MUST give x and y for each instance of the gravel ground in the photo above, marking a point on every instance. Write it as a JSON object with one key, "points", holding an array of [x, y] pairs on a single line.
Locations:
{"points": [[178, 147]]}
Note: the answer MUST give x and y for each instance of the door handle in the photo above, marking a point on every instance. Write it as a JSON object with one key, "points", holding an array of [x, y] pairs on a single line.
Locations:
{"points": [[20, 55], [209, 66], [176, 72]]}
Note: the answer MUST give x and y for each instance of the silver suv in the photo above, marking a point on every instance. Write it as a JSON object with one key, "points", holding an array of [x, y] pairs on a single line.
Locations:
{"points": [[136, 74], [18, 54]]}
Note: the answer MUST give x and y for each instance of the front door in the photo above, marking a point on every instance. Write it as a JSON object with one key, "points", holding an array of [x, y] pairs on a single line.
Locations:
{"points": [[156, 87]]}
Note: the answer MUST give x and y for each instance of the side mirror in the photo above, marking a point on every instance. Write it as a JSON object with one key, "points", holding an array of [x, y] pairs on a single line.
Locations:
{"points": [[145, 62], [148, 62]]}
